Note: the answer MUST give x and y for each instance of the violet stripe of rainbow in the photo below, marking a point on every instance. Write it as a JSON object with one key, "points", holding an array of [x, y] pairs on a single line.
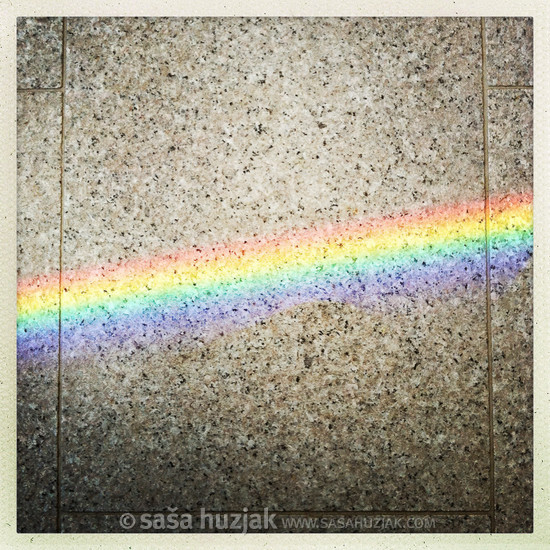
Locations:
{"points": [[315, 264]]}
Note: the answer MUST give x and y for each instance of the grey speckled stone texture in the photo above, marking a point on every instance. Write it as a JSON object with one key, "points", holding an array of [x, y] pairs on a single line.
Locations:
{"points": [[184, 132], [220, 128], [509, 51], [187, 132], [299, 413], [38, 188], [39, 182], [39, 52], [510, 114], [511, 171]]}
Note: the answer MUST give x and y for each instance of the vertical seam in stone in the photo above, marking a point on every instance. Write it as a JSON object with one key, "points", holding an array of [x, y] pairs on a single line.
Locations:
{"points": [[61, 179], [484, 89]]}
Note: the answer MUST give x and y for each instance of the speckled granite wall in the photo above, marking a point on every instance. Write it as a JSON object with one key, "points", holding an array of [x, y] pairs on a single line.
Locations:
{"points": [[38, 244], [266, 243]]}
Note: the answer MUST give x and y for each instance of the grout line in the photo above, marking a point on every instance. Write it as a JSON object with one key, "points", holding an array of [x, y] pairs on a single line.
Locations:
{"points": [[294, 512], [40, 89], [511, 87], [488, 273], [59, 374]]}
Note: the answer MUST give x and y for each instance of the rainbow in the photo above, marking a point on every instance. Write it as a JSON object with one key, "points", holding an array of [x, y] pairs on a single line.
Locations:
{"points": [[201, 292]]}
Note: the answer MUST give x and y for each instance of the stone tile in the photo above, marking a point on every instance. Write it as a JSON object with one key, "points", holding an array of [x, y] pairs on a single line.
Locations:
{"points": [[303, 412], [39, 187], [215, 129], [511, 171], [509, 51], [38, 211], [231, 130], [510, 115], [39, 52], [153, 523], [513, 399]]}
